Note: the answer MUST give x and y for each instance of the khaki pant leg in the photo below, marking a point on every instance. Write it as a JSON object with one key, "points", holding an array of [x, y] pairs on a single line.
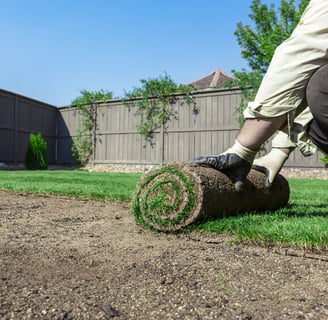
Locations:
{"points": [[301, 139]]}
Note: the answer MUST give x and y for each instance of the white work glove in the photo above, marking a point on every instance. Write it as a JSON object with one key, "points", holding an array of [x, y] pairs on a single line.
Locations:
{"points": [[270, 164]]}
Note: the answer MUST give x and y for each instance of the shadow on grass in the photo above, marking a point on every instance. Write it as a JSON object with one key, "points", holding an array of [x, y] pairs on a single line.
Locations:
{"points": [[299, 211]]}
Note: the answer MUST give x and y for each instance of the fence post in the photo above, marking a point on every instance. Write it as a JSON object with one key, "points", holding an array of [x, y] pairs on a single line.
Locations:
{"points": [[15, 130], [94, 131], [162, 147]]}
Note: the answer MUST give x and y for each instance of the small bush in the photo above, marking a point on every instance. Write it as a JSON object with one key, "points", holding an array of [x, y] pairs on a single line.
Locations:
{"points": [[36, 157]]}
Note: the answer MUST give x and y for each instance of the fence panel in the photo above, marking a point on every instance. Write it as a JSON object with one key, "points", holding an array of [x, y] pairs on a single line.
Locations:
{"points": [[118, 139], [19, 117], [67, 126], [207, 127]]}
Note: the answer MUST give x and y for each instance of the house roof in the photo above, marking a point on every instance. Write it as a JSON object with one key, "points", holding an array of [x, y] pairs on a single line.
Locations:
{"points": [[215, 79]]}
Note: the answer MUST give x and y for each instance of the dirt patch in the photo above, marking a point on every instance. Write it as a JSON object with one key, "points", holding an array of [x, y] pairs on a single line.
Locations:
{"points": [[63, 258]]}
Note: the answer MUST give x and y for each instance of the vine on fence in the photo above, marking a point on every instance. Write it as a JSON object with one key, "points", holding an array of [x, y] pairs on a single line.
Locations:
{"points": [[154, 102], [85, 138]]}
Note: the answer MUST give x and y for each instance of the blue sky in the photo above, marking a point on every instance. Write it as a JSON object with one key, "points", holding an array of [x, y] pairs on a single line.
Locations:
{"points": [[52, 49]]}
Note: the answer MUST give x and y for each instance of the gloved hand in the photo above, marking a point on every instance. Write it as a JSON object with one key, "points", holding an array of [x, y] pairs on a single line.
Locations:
{"points": [[270, 164], [235, 162]]}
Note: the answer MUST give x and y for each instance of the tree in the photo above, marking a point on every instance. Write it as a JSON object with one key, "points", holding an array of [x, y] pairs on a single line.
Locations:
{"points": [[258, 43]]}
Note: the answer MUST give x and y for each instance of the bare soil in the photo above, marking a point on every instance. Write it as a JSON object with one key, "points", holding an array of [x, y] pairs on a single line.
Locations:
{"points": [[63, 258]]}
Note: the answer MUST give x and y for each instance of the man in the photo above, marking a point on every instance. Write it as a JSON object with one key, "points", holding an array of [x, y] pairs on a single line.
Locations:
{"points": [[297, 77]]}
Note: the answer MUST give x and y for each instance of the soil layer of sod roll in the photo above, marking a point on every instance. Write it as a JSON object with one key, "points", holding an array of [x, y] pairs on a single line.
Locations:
{"points": [[179, 194]]}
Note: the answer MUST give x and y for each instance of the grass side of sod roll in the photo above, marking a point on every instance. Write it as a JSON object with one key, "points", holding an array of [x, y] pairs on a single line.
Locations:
{"points": [[303, 222], [152, 209]]}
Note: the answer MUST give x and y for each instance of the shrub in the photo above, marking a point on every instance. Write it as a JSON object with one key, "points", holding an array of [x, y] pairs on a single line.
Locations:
{"points": [[36, 157], [325, 161]]}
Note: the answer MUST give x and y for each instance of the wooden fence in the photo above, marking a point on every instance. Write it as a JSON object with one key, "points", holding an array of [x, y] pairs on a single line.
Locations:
{"points": [[208, 126], [19, 117]]}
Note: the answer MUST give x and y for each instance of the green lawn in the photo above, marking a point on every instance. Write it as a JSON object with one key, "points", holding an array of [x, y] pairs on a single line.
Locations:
{"points": [[75, 183], [304, 222]]}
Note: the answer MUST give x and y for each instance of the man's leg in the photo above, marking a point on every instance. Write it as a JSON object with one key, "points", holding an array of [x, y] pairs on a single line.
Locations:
{"points": [[314, 123], [283, 144], [256, 131], [317, 97]]}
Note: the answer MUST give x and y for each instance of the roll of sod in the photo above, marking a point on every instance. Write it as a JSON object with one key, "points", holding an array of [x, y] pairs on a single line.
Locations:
{"points": [[179, 194]]}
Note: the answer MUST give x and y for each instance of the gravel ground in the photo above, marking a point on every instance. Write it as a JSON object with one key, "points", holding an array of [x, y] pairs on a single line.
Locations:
{"points": [[287, 172], [63, 258]]}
